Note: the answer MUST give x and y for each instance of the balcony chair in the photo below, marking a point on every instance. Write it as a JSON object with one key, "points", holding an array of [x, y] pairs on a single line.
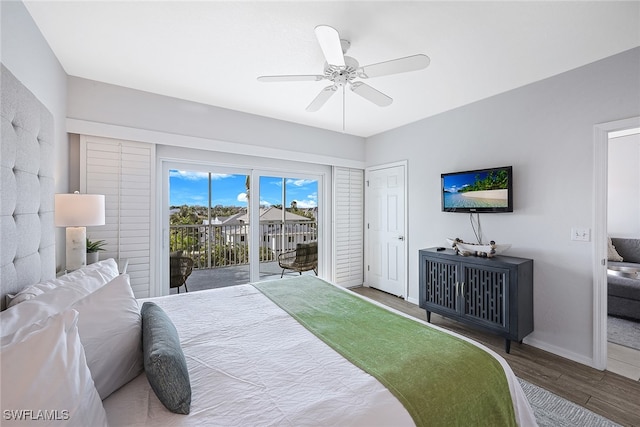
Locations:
{"points": [[304, 258], [180, 268]]}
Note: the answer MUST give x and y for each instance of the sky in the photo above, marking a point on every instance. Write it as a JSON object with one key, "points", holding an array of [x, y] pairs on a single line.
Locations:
{"points": [[191, 188], [453, 183]]}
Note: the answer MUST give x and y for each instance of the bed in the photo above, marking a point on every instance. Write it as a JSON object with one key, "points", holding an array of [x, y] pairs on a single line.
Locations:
{"points": [[80, 350], [257, 354]]}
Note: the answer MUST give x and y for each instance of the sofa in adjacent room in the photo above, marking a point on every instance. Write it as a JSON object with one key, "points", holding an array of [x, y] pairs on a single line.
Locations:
{"points": [[624, 292]]}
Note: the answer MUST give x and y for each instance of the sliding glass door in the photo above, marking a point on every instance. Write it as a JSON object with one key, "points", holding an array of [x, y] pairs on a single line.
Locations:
{"points": [[237, 226]]}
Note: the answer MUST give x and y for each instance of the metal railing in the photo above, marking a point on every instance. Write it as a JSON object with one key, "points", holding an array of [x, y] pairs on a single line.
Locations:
{"points": [[219, 245]]}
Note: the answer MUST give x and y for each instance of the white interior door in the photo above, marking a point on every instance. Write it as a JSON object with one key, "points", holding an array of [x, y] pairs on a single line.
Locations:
{"points": [[385, 229]]}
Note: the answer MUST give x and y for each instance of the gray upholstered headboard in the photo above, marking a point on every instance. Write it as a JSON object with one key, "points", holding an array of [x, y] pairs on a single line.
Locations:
{"points": [[27, 234]]}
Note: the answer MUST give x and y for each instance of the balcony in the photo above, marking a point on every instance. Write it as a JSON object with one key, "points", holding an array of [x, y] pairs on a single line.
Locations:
{"points": [[221, 252]]}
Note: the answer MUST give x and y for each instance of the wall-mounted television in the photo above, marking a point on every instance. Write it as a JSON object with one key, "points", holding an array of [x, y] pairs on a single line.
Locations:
{"points": [[481, 190]]}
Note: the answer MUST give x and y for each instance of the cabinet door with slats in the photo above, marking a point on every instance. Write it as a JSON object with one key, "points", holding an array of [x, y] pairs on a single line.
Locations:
{"points": [[441, 277], [485, 295]]}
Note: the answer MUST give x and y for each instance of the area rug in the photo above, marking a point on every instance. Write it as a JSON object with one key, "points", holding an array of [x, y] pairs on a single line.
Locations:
{"points": [[623, 332], [552, 410]]}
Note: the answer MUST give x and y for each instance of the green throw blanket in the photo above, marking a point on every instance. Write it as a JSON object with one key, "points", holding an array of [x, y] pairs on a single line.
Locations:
{"points": [[440, 379]]}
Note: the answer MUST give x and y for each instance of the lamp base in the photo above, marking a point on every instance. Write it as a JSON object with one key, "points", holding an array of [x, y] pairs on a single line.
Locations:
{"points": [[76, 248]]}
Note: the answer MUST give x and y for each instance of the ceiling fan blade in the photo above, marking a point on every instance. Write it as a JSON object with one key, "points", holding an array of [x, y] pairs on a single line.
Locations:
{"points": [[371, 94], [395, 66], [329, 41], [322, 98], [292, 78]]}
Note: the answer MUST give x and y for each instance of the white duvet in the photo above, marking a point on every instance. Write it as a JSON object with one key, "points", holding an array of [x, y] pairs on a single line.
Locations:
{"points": [[251, 364]]}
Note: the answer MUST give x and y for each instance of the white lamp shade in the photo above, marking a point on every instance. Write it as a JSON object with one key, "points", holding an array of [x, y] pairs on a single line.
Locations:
{"points": [[79, 210]]}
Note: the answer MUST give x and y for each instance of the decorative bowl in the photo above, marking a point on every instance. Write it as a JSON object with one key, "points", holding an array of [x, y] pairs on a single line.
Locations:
{"points": [[473, 248]]}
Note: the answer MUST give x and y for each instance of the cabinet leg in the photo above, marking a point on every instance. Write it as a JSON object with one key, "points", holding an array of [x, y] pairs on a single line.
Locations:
{"points": [[428, 316], [507, 345]]}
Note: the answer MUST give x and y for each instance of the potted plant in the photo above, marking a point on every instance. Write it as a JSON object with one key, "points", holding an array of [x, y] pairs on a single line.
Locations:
{"points": [[92, 250]]}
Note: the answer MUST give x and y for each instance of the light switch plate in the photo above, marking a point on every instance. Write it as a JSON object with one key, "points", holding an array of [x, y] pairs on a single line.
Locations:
{"points": [[581, 234]]}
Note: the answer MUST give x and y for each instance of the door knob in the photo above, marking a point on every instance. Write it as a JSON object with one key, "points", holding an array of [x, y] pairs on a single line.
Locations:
{"points": [[400, 237]]}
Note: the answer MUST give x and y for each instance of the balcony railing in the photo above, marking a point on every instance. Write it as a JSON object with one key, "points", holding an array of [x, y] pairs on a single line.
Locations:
{"points": [[219, 245]]}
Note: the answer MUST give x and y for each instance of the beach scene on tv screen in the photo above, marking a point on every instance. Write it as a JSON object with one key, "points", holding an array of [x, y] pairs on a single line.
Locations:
{"points": [[486, 189]]}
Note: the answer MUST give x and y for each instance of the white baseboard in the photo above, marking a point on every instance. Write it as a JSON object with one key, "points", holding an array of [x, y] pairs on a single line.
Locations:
{"points": [[413, 301], [562, 352]]}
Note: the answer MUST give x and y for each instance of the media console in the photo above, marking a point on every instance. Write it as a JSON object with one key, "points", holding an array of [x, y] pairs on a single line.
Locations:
{"points": [[492, 294]]}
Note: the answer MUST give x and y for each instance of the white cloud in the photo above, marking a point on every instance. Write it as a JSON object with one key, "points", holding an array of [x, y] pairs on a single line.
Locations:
{"points": [[242, 197], [305, 204], [188, 175], [300, 182], [196, 176], [218, 176]]}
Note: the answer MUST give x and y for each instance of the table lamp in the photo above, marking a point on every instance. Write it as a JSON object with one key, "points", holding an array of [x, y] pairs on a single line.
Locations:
{"points": [[75, 212]]}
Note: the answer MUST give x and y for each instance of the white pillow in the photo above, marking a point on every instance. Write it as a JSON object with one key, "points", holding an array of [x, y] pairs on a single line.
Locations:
{"points": [[110, 328], [90, 277], [612, 253], [44, 369], [41, 307]]}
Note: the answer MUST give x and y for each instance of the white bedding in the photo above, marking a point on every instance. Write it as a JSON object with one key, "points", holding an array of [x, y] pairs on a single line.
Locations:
{"points": [[251, 364]]}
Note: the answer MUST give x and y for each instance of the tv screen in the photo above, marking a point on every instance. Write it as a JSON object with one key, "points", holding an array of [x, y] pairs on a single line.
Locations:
{"points": [[482, 190]]}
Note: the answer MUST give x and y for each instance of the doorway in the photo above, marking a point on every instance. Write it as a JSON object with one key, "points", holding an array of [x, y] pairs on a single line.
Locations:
{"points": [[385, 229], [623, 221], [601, 146]]}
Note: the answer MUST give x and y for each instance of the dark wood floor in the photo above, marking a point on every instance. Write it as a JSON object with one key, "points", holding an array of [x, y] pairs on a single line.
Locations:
{"points": [[610, 395]]}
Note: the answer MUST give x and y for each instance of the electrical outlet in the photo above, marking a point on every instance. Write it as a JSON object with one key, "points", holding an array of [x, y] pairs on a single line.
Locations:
{"points": [[581, 234]]}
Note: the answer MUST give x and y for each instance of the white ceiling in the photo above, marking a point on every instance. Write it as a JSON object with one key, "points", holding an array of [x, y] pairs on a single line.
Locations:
{"points": [[211, 52]]}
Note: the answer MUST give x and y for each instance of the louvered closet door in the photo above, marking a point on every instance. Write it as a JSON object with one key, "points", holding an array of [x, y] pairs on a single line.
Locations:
{"points": [[123, 171], [348, 215]]}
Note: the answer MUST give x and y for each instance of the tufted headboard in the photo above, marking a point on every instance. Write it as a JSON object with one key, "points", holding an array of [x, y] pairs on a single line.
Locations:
{"points": [[27, 234]]}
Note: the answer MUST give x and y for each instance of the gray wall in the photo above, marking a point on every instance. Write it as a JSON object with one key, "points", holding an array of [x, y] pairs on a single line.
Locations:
{"points": [[28, 56], [104, 103], [545, 130]]}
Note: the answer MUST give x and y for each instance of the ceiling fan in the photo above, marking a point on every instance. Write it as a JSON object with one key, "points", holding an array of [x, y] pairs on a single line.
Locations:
{"points": [[342, 71]]}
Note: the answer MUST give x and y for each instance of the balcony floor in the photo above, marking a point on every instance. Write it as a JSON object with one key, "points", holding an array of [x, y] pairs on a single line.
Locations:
{"points": [[201, 279]]}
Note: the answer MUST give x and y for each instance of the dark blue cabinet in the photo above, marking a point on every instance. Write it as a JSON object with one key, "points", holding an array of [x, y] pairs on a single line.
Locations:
{"points": [[492, 294]]}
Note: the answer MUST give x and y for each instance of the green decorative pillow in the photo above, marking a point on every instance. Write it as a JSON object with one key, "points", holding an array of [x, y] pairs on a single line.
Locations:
{"points": [[164, 361]]}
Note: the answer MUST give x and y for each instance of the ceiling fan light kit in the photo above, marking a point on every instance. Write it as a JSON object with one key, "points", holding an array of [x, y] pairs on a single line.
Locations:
{"points": [[342, 71]]}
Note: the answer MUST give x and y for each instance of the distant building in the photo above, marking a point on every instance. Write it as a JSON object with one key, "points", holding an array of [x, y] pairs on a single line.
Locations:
{"points": [[279, 230]]}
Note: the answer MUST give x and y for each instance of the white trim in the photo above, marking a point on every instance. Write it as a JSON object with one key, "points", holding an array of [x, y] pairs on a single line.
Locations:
{"points": [[85, 127], [405, 270], [414, 301], [559, 351], [600, 169], [623, 133]]}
